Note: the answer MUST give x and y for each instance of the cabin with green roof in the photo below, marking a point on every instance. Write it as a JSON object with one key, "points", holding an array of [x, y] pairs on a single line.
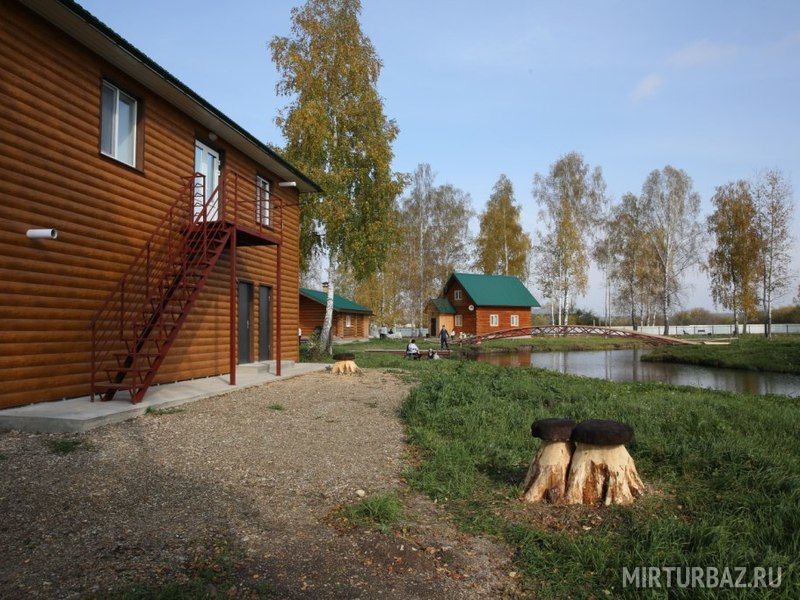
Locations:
{"points": [[350, 319], [475, 304]]}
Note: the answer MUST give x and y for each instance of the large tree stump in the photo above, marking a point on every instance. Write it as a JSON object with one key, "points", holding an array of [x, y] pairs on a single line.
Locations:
{"points": [[601, 468], [344, 364], [547, 474]]}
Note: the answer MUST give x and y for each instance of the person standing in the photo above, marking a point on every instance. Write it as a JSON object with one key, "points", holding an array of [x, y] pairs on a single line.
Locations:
{"points": [[443, 335]]}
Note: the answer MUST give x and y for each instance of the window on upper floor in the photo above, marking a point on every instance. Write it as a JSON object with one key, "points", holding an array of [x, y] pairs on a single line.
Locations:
{"points": [[457, 295], [262, 200], [119, 114]]}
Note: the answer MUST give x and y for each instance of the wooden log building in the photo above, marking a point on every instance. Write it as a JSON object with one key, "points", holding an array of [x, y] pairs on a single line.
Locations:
{"points": [[350, 319], [474, 304], [145, 237]]}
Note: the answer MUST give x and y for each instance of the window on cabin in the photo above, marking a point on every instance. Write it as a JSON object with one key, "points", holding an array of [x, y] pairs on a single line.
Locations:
{"points": [[494, 320], [459, 321], [118, 124], [515, 320], [262, 200], [457, 295], [347, 321]]}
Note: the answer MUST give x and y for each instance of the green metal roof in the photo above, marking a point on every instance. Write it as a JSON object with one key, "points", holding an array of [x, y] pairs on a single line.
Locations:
{"points": [[340, 303], [494, 290], [443, 306]]}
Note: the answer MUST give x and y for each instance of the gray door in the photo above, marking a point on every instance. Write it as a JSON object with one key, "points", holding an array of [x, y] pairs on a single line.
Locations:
{"points": [[245, 318], [264, 322]]}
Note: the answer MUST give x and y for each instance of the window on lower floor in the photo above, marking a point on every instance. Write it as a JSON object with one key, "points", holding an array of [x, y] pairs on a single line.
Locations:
{"points": [[459, 321], [118, 124], [494, 320], [515, 320], [347, 321]]}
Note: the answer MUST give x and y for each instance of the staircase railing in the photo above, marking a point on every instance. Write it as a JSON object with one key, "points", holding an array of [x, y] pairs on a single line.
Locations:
{"points": [[179, 242], [114, 327]]}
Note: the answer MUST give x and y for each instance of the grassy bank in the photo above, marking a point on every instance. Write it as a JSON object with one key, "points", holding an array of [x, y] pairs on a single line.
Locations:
{"points": [[722, 470], [750, 352], [536, 344]]}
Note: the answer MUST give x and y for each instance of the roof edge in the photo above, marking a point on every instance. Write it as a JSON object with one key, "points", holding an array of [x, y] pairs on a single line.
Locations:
{"points": [[50, 10]]}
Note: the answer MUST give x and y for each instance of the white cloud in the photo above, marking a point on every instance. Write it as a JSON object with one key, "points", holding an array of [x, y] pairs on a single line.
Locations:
{"points": [[647, 87], [701, 53]]}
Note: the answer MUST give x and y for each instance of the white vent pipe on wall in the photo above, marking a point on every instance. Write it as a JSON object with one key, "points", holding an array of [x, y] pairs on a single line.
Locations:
{"points": [[42, 234]]}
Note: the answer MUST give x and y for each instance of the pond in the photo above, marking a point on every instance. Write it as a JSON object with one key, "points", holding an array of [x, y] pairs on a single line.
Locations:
{"points": [[625, 365]]}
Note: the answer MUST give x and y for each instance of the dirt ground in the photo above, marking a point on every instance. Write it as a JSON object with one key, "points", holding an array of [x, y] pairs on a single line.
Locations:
{"points": [[233, 496]]}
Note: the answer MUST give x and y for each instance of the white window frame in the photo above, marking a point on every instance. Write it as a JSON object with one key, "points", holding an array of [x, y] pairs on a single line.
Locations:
{"points": [[262, 195], [494, 320], [459, 321], [515, 320], [457, 295], [115, 125], [348, 321]]}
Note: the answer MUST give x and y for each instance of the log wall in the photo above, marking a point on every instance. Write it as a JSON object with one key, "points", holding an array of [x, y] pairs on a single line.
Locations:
{"points": [[54, 176]]}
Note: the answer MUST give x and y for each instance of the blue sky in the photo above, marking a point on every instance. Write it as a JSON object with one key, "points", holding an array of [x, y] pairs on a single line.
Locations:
{"points": [[484, 88]]}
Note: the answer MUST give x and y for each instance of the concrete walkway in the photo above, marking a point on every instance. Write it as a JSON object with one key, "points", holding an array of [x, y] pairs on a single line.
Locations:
{"points": [[80, 414]]}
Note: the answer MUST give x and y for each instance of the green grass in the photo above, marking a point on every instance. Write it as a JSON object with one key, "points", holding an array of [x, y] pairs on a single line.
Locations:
{"points": [[722, 470], [382, 512], [562, 343], [157, 412], [751, 352], [537, 344], [67, 445], [276, 407]]}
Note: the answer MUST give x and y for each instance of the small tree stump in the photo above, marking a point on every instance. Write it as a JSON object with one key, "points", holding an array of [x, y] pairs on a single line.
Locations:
{"points": [[601, 468], [547, 475], [344, 364]]}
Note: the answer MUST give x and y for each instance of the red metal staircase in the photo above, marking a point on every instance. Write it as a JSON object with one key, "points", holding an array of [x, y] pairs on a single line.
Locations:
{"points": [[136, 326]]}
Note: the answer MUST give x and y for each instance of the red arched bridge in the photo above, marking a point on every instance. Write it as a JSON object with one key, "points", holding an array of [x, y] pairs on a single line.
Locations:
{"points": [[598, 330]]}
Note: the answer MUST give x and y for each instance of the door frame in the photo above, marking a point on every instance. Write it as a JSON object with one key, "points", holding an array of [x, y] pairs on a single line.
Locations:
{"points": [[269, 328], [239, 360], [207, 147]]}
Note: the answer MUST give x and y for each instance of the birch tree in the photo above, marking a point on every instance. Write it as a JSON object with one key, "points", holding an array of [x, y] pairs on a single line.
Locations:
{"points": [[734, 260], [502, 247], [435, 229], [774, 211], [571, 198], [671, 208], [626, 249], [336, 131]]}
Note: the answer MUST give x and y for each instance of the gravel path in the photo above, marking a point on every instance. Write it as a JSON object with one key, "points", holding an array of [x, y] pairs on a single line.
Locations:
{"points": [[233, 496]]}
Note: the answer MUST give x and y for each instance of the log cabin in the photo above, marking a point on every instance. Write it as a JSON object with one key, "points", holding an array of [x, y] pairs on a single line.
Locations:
{"points": [[145, 237], [350, 319], [474, 304]]}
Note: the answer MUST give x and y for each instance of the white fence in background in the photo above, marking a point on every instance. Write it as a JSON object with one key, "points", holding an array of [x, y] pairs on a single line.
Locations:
{"points": [[756, 328]]}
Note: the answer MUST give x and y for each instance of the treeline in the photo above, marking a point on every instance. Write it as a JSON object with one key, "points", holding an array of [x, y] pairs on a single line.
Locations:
{"points": [[648, 242], [644, 244], [391, 239], [430, 238]]}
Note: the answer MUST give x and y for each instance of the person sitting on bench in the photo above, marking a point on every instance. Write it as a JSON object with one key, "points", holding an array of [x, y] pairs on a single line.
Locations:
{"points": [[412, 350]]}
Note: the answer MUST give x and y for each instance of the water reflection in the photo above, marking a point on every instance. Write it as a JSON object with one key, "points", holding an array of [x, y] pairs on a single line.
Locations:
{"points": [[625, 365]]}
